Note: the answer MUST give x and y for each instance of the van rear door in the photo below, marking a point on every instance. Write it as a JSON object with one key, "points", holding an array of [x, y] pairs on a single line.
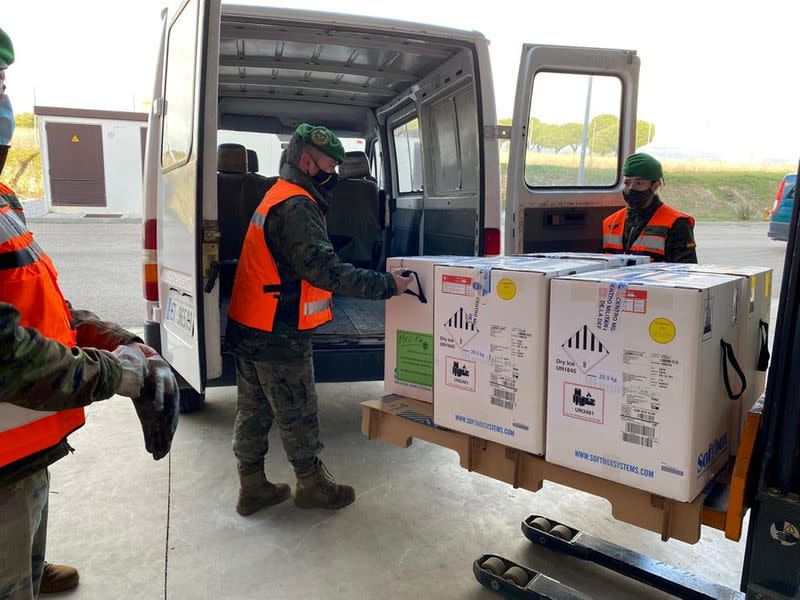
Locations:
{"points": [[187, 206], [574, 123]]}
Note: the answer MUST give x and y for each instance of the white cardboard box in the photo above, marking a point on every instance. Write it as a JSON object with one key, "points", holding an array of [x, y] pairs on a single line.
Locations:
{"points": [[491, 347], [755, 286], [408, 357], [635, 391], [612, 261]]}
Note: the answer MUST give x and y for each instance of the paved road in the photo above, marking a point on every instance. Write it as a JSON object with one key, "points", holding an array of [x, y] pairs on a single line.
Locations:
{"points": [[100, 264]]}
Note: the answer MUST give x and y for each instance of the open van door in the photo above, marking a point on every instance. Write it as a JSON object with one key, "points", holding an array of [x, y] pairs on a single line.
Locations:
{"points": [[574, 123], [186, 214]]}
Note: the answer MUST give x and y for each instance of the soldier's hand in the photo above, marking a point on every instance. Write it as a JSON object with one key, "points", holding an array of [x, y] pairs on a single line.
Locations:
{"points": [[402, 282], [158, 407], [145, 349], [134, 370]]}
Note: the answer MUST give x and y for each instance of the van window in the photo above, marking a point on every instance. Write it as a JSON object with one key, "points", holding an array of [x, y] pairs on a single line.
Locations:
{"points": [[179, 88], [376, 164], [408, 150], [454, 152], [574, 131]]}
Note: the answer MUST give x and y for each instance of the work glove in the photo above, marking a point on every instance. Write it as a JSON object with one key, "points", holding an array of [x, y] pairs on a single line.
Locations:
{"points": [[134, 368], [158, 406]]}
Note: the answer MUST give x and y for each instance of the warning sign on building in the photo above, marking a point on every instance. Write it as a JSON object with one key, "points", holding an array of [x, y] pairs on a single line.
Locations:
{"points": [[585, 348]]}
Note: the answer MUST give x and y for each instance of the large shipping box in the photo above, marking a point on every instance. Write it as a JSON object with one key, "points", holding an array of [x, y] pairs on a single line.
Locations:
{"points": [[751, 347], [611, 261], [408, 358], [635, 391], [491, 347]]}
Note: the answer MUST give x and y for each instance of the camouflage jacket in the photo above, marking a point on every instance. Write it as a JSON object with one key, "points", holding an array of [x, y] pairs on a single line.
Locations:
{"points": [[680, 244], [298, 240], [41, 374]]}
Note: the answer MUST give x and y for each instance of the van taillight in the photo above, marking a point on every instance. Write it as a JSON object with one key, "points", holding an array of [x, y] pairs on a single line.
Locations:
{"points": [[491, 241], [149, 260], [779, 195]]}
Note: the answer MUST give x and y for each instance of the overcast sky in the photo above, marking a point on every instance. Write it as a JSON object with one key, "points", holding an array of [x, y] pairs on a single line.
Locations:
{"points": [[714, 77]]}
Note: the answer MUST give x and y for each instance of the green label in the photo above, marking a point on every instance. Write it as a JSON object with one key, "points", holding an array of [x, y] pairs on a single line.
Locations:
{"points": [[414, 358]]}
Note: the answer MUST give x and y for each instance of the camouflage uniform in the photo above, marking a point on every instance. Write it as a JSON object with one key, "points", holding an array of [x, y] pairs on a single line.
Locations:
{"points": [[41, 374], [680, 244], [275, 373]]}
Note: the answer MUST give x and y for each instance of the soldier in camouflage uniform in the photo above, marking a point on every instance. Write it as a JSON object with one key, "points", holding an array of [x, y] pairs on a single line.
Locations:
{"points": [[39, 374], [275, 374], [647, 225]]}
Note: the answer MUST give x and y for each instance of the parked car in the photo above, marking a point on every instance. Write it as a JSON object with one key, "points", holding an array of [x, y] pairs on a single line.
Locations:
{"points": [[782, 211]]}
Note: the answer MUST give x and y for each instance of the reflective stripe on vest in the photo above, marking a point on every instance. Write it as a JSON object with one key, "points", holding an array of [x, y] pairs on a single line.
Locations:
{"points": [[257, 287], [28, 281], [652, 240]]}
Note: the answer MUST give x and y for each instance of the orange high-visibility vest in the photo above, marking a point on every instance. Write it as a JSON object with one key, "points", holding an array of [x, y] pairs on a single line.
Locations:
{"points": [[28, 281], [653, 239], [257, 287]]}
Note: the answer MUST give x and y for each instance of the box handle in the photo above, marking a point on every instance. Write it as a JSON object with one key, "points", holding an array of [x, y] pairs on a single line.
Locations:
{"points": [[421, 294], [763, 355], [728, 357]]}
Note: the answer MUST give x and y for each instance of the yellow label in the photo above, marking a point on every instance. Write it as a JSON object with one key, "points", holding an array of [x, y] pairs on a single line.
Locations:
{"points": [[662, 330], [506, 288], [75, 139], [768, 285]]}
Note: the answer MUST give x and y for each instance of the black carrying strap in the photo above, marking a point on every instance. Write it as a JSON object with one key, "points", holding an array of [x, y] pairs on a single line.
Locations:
{"points": [[421, 294], [728, 358], [763, 354]]}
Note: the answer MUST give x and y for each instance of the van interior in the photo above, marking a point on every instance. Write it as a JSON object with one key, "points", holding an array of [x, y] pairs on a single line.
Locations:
{"points": [[406, 107]]}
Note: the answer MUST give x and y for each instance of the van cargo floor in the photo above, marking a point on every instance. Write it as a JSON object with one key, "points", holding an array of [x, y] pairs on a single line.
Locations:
{"points": [[354, 318]]}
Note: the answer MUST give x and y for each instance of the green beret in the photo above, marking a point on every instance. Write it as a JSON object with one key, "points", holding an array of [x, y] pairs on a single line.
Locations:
{"points": [[322, 138], [6, 50], [644, 166]]}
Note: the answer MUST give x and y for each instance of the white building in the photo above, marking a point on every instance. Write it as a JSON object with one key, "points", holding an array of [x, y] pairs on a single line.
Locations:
{"points": [[92, 160]]}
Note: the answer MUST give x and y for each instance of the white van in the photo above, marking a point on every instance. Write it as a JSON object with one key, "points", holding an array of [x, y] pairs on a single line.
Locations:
{"points": [[415, 106]]}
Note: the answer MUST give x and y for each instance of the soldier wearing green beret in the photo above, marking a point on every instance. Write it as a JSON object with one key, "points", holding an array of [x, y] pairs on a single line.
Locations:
{"points": [[647, 225], [285, 279]]}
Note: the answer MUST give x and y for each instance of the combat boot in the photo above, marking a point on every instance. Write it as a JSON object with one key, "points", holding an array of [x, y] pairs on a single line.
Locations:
{"points": [[58, 578], [316, 488], [257, 491]]}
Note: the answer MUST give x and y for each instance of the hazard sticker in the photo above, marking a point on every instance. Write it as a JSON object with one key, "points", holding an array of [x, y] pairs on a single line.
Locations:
{"points": [[460, 373], [585, 348], [584, 402], [462, 327], [455, 284]]}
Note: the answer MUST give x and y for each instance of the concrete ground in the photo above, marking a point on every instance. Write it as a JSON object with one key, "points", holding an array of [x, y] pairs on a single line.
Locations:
{"points": [[137, 528]]}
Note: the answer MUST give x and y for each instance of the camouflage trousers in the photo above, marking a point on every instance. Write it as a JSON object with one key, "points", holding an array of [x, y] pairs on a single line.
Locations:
{"points": [[23, 531], [281, 390]]}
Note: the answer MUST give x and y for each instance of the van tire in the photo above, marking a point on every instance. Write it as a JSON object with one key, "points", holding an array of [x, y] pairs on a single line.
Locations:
{"points": [[192, 400]]}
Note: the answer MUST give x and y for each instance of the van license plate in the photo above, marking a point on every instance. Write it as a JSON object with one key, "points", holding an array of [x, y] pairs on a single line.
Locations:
{"points": [[180, 314]]}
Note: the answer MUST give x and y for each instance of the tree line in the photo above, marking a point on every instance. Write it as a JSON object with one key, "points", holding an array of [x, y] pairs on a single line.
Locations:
{"points": [[602, 135]]}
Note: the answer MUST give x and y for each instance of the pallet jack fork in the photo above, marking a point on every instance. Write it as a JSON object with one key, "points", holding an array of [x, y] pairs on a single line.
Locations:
{"points": [[518, 581]]}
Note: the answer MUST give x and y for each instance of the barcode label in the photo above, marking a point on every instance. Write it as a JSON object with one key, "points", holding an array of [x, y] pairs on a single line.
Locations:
{"points": [[643, 430], [503, 398], [496, 379], [637, 439], [673, 470], [643, 416]]}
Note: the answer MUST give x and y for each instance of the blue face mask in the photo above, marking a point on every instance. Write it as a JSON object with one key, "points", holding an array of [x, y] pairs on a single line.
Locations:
{"points": [[6, 120]]}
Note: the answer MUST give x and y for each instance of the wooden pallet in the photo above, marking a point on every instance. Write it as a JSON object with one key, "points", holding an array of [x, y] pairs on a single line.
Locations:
{"points": [[398, 420]]}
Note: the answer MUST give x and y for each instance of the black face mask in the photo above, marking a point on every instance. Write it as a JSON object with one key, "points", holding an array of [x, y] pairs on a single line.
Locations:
{"points": [[324, 180], [3, 155], [636, 199]]}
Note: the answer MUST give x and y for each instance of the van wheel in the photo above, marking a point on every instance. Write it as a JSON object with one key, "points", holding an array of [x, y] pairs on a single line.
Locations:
{"points": [[192, 400]]}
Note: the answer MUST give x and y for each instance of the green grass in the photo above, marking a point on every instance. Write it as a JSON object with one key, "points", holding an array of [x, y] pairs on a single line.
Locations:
{"points": [[713, 195]]}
